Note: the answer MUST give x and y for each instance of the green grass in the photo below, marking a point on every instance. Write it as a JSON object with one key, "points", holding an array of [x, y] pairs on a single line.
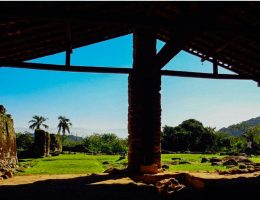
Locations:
{"points": [[194, 159], [83, 164], [256, 159], [71, 164]]}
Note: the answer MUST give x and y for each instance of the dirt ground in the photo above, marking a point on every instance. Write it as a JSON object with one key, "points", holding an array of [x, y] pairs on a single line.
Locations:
{"points": [[105, 186]]}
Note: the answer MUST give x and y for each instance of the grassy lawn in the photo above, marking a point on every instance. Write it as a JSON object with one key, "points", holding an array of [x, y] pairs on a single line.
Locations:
{"points": [[82, 163], [71, 164], [194, 162]]}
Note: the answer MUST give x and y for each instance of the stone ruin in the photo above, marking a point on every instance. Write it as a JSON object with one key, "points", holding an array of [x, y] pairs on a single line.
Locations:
{"points": [[8, 155], [41, 143], [46, 144], [55, 144]]}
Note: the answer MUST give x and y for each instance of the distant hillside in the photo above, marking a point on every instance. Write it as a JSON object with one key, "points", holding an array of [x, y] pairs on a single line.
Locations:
{"points": [[73, 138], [83, 132], [238, 129]]}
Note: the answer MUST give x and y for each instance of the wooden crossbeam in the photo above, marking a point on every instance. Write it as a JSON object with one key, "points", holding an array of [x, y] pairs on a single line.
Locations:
{"points": [[90, 69], [207, 75], [64, 68]]}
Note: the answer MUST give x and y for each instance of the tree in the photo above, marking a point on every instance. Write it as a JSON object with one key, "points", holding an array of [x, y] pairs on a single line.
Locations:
{"points": [[196, 131], [64, 125], [37, 122], [24, 141], [223, 141], [189, 135], [252, 137], [107, 143]]}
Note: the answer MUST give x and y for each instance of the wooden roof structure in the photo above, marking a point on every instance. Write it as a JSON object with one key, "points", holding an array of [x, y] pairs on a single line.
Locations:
{"points": [[224, 33]]}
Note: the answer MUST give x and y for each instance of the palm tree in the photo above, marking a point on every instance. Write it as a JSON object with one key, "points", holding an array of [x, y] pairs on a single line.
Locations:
{"points": [[64, 125], [37, 121]]}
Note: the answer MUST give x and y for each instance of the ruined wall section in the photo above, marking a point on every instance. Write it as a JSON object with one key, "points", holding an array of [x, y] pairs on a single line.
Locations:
{"points": [[56, 144], [8, 155], [41, 143]]}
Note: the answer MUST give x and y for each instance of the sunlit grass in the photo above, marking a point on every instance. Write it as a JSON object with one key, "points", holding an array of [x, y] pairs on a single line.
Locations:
{"points": [[193, 159], [83, 164], [71, 164]]}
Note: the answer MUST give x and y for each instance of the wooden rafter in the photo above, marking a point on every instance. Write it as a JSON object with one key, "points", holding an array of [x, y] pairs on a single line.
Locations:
{"points": [[191, 16], [26, 32], [64, 68], [207, 75], [58, 44], [168, 51], [120, 70]]}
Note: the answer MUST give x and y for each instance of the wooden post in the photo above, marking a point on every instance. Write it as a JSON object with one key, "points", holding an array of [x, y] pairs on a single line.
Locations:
{"points": [[215, 66], [144, 111]]}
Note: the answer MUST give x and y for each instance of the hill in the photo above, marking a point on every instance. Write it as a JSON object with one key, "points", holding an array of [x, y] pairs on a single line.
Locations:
{"points": [[238, 129], [74, 138]]}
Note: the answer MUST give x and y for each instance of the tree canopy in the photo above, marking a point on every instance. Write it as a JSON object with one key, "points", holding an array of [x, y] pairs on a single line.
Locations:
{"points": [[64, 125], [37, 122]]}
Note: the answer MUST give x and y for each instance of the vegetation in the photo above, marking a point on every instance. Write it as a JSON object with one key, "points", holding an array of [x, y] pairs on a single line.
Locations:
{"points": [[107, 143], [189, 136], [83, 163], [71, 164], [102, 151], [37, 122], [64, 125], [24, 141], [192, 136]]}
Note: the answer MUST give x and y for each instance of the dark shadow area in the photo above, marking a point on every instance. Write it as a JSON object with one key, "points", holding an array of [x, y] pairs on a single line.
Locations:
{"points": [[78, 188], [83, 188]]}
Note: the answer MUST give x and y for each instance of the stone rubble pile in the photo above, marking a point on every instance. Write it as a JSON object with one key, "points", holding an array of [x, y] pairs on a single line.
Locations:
{"points": [[7, 171], [239, 164], [168, 187]]}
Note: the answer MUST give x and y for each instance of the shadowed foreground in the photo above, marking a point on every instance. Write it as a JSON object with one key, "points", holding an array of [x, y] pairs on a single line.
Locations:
{"points": [[103, 186]]}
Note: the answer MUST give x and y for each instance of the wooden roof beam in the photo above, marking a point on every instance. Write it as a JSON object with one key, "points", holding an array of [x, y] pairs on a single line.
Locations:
{"points": [[208, 75], [51, 45], [168, 51], [64, 68], [90, 69], [192, 17]]}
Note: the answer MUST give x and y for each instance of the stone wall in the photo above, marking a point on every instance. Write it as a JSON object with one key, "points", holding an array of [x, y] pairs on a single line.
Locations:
{"points": [[41, 143], [8, 155], [56, 144], [46, 144]]}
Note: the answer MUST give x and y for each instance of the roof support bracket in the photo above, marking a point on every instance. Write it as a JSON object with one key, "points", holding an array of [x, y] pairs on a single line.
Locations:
{"points": [[168, 51], [68, 42], [215, 66]]}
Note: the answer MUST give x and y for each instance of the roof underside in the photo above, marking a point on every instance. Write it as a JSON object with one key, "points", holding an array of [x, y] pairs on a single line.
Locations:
{"points": [[226, 31]]}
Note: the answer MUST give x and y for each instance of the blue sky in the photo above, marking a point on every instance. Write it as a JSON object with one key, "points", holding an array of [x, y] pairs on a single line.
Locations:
{"points": [[99, 101]]}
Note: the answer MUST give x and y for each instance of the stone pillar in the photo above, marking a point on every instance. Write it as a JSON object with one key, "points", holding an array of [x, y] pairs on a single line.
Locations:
{"points": [[55, 144], [8, 155], [144, 111], [41, 143]]}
